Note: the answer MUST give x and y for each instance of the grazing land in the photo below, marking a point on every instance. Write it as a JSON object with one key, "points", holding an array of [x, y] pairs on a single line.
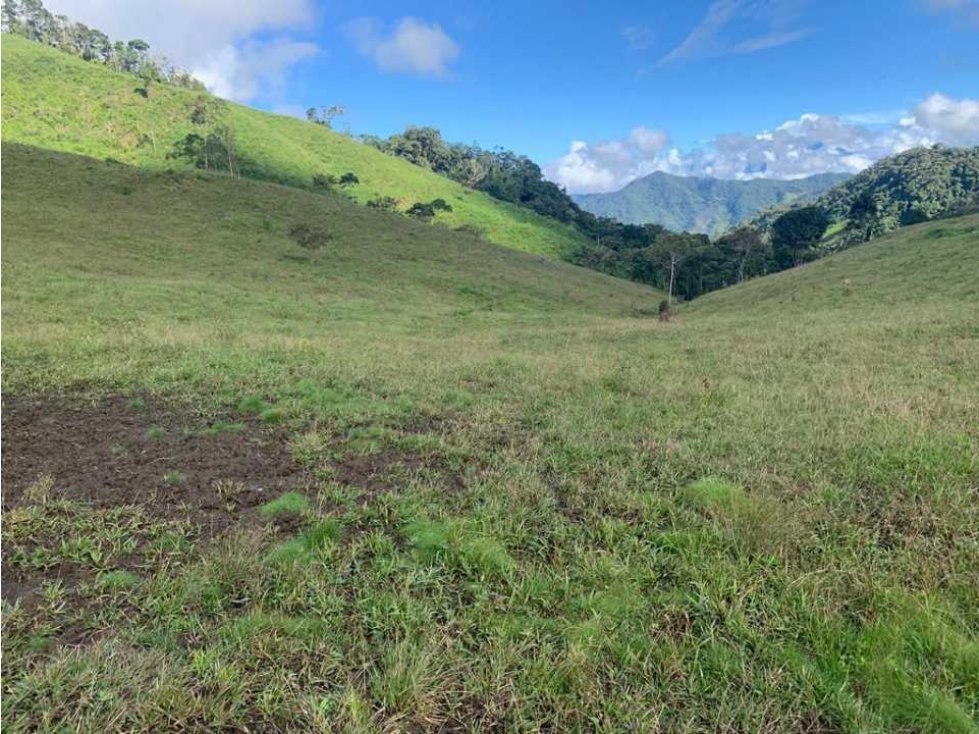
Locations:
{"points": [[56, 101], [414, 481]]}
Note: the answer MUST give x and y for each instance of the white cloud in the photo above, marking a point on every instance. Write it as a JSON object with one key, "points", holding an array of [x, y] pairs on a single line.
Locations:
{"points": [[413, 46], [213, 39], [607, 166], [741, 27], [242, 71], [956, 121], [808, 145]]}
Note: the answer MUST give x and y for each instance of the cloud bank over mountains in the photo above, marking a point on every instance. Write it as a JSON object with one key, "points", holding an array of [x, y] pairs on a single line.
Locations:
{"points": [[809, 145]]}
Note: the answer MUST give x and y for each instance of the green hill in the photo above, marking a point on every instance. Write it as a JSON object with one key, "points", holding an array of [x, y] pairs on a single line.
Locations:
{"points": [[909, 188], [707, 205], [419, 482], [128, 240], [54, 100], [934, 265]]}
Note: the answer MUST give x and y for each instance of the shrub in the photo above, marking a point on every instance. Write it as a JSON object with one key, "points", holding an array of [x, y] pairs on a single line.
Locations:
{"points": [[349, 179], [310, 238], [325, 181], [383, 202], [422, 211]]}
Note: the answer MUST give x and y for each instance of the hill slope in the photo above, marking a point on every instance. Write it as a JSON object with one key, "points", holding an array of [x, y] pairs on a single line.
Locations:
{"points": [[908, 188], [935, 263], [124, 238], [706, 205], [53, 100], [431, 483]]}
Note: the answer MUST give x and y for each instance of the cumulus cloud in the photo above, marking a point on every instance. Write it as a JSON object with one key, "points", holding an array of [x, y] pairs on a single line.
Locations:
{"points": [[803, 147], [216, 39], [956, 121], [413, 46], [242, 71], [608, 165], [741, 27]]}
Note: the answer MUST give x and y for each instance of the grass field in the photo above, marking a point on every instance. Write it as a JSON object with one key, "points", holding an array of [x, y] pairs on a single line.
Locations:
{"points": [[423, 483], [60, 102]]}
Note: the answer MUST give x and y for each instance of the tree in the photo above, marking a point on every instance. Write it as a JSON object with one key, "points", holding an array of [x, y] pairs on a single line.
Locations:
{"points": [[742, 245], [325, 115], [10, 15], [669, 251], [863, 215], [797, 231], [311, 239]]}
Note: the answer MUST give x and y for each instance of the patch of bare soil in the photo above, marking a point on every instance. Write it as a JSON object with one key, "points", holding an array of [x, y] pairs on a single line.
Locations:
{"points": [[147, 452], [166, 459]]}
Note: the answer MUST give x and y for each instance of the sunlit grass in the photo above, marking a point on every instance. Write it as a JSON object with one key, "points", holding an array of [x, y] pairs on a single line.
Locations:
{"points": [[760, 516]]}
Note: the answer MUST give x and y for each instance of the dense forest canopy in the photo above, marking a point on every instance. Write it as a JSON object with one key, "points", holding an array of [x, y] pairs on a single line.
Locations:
{"points": [[909, 188]]}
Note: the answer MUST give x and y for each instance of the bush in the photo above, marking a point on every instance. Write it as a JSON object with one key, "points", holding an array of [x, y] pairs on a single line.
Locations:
{"points": [[420, 210], [349, 179], [310, 238], [325, 181], [388, 203], [427, 211]]}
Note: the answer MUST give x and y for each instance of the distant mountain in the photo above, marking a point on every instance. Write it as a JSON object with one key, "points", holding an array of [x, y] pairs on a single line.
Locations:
{"points": [[708, 205]]}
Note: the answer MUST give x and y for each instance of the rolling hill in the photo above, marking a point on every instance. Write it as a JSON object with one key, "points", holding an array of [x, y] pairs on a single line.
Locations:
{"points": [[420, 481], [415, 481], [57, 101], [706, 205]]}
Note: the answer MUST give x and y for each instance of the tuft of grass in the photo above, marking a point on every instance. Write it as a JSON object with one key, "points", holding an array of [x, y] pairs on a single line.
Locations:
{"points": [[290, 503], [118, 580], [273, 415], [253, 404], [174, 478], [309, 448], [39, 491], [156, 432]]}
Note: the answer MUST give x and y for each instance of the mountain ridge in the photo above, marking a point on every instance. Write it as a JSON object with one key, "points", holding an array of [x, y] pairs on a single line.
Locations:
{"points": [[702, 204]]}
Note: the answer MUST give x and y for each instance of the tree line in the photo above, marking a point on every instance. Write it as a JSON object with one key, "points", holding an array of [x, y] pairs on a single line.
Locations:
{"points": [[913, 187], [30, 19], [684, 265]]}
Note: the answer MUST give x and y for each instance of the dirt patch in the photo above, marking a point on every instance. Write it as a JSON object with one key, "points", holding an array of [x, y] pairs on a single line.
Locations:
{"points": [[172, 464], [163, 457]]}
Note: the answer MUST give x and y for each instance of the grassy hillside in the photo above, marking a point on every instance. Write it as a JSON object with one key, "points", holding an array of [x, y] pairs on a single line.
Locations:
{"points": [[430, 483], [53, 100], [708, 205], [913, 268]]}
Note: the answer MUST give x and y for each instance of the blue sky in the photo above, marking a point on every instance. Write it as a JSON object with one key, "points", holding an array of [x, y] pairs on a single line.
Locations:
{"points": [[597, 93]]}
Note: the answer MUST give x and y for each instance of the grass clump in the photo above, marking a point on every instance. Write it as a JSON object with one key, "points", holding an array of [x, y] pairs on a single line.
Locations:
{"points": [[309, 448], [253, 404], [273, 415], [174, 479], [290, 503]]}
